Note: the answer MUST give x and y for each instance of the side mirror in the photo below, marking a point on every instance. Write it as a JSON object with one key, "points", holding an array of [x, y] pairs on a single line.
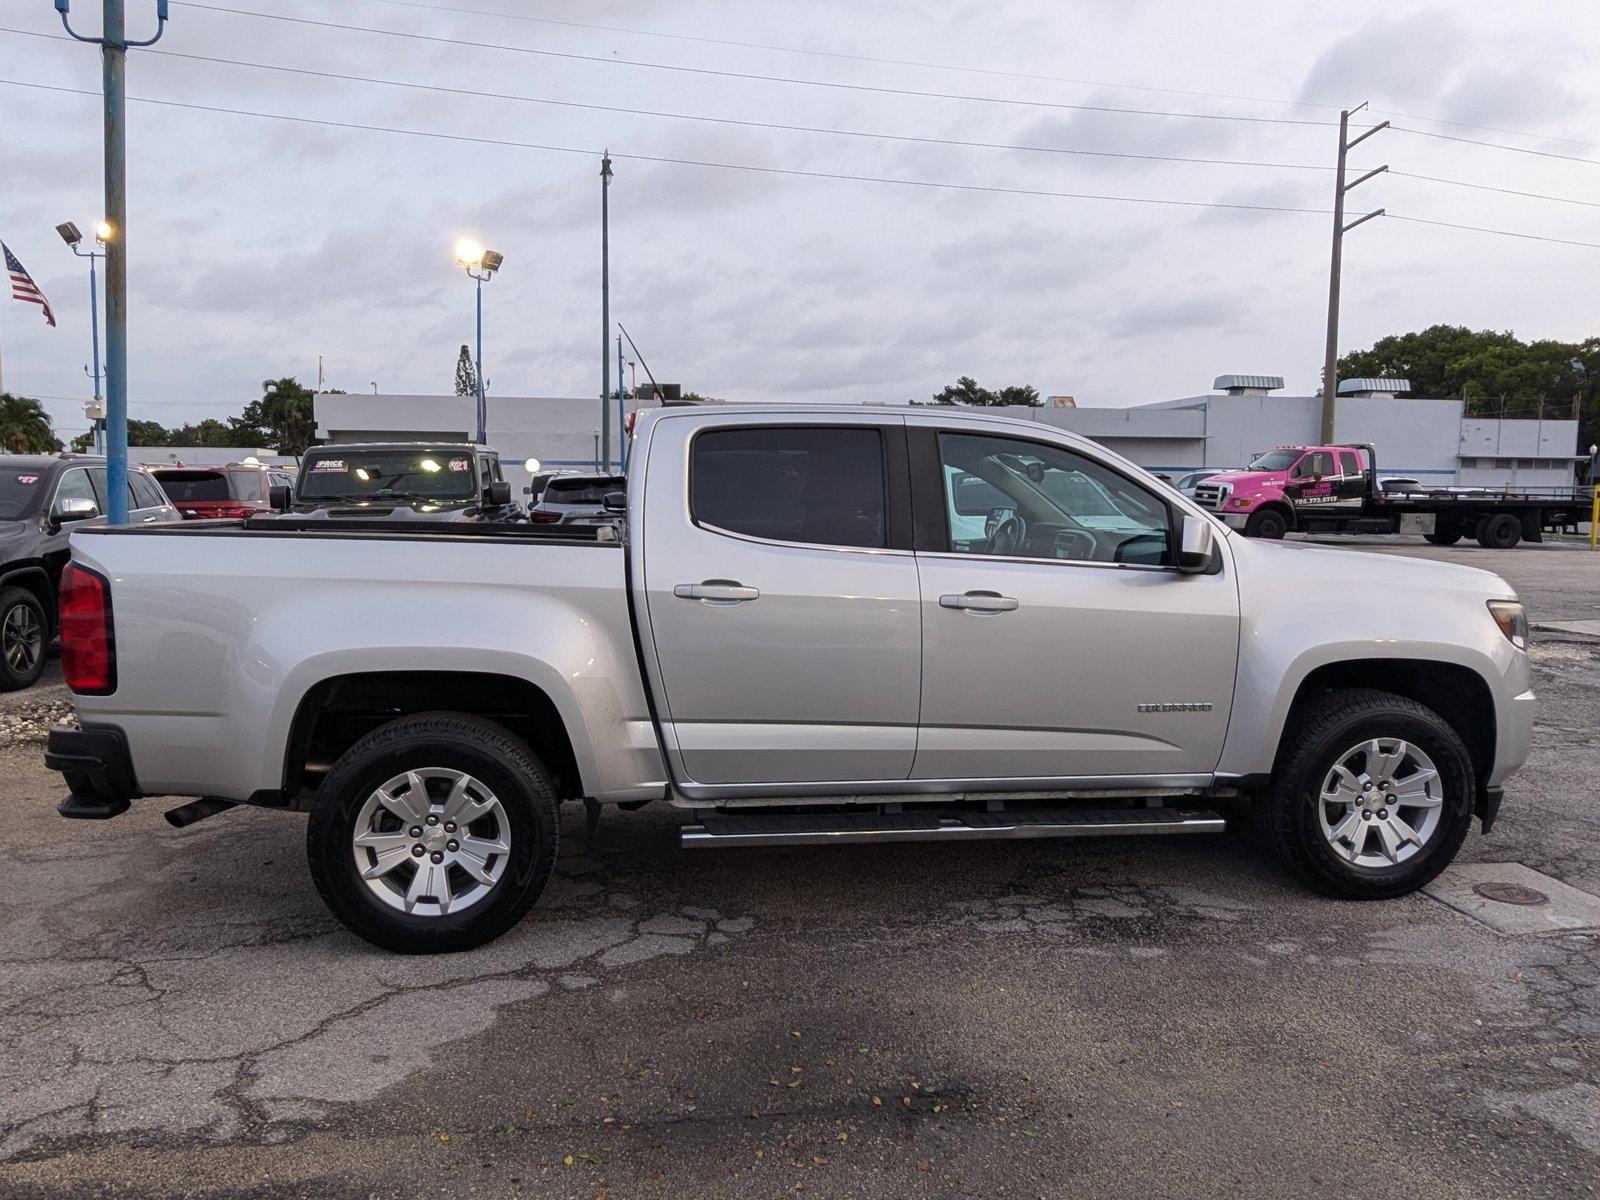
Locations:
{"points": [[280, 496], [1197, 545], [615, 502], [497, 494], [73, 508]]}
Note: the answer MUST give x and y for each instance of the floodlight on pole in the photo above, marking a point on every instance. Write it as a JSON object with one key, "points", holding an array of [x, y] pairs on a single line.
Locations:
{"points": [[103, 232], [480, 264], [73, 237]]}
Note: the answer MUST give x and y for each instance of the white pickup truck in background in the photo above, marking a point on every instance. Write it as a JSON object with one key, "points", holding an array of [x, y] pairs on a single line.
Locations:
{"points": [[813, 625]]}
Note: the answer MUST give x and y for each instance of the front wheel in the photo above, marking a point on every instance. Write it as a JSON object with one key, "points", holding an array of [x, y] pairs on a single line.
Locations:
{"points": [[1373, 798], [433, 833], [1266, 523]]}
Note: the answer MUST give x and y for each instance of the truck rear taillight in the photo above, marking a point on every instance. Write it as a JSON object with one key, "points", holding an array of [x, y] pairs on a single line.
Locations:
{"points": [[88, 651]]}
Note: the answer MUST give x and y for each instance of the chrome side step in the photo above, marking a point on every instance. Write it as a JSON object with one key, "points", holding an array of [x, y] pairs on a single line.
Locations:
{"points": [[727, 829]]}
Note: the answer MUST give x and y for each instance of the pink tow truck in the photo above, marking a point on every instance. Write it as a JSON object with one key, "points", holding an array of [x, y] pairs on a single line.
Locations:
{"points": [[1335, 489]]}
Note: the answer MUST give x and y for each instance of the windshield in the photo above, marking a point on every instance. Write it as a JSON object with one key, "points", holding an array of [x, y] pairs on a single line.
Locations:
{"points": [[1276, 460], [581, 491], [18, 489], [430, 473]]}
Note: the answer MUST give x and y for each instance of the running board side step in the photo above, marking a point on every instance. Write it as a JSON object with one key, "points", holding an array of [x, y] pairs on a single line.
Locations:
{"points": [[732, 829]]}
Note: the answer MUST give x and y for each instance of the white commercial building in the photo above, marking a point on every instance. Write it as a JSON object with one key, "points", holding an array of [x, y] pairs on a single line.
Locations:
{"points": [[1435, 441]]}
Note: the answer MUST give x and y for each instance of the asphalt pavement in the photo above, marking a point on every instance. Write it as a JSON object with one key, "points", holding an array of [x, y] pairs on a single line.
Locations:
{"points": [[1136, 1018]]}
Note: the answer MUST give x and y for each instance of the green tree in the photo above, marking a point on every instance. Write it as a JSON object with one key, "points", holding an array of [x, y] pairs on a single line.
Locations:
{"points": [[966, 390], [466, 374], [209, 432], [148, 433], [25, 427], [1489, 366], [83, 443], [286, 410]]}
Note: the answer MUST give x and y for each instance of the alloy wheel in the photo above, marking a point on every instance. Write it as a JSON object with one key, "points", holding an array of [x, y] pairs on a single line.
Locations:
{"points": [[1380, 803], [21, 639], [431, 842]]}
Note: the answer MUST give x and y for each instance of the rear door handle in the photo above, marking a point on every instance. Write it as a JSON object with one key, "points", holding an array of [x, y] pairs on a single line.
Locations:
{"points": [[717, 591], [151, 520], [978, 602]]}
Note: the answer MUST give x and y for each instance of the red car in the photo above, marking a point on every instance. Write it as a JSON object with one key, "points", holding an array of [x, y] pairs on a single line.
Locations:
{"points": [[203, 493]]}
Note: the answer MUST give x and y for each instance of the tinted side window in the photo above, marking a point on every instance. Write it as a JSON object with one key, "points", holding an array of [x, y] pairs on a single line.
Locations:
{"points": [[1347, 463], [74, 485], [98, 476], [146, 493], [246, 485], [792, 484]]}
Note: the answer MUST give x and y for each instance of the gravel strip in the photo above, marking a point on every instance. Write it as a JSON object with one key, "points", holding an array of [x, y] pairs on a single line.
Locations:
{"points": [[30, 722]]}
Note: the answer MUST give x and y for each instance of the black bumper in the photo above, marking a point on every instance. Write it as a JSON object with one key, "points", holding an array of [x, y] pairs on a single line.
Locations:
{"points": [[97, 768]]}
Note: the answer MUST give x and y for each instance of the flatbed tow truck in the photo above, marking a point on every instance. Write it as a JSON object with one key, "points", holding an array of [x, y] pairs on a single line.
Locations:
{"points": [[1336, 489]]}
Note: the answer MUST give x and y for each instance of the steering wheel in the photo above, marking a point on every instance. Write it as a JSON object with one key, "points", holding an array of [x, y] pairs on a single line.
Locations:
{"points": [[1009, 536], [1076, 544]]}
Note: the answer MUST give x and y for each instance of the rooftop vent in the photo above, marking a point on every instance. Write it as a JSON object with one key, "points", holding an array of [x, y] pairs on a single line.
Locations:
{"points": [[1381, 388], [1248, 385]]}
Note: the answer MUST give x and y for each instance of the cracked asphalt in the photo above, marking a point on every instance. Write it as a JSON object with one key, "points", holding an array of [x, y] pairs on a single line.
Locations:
{"points": [[1123, 1018]]}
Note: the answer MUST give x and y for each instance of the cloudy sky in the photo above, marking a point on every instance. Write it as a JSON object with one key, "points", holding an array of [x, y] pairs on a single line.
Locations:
{"points": [[258, 244]]}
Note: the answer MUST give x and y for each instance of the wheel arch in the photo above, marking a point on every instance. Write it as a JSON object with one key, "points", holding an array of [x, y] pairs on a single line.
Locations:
{"points": [[335, 712], [35, 579], [1456, 692], [1277, 505]]}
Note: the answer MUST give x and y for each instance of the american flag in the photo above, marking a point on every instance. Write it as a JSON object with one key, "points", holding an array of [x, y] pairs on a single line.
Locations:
{"points": [[22, 285]]}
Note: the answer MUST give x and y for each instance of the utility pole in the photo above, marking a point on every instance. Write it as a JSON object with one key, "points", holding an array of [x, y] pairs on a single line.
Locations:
{"points": [[114, 47], [1330, 361], [605, 312]]}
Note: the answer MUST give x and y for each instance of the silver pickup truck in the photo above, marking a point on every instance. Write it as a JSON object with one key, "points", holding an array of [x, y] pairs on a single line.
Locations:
{"points": [[808, 626]]}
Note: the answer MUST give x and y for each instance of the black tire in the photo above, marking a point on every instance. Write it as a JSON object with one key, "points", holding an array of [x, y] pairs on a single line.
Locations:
{"points": [[21, 658], [1318, 732], [1444, 535], [1500, 531], [482, 749], [1267, 523]]}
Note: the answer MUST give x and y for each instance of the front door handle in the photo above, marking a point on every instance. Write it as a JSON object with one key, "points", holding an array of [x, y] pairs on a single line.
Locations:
{"points": [[716, 591], [979, 602]]}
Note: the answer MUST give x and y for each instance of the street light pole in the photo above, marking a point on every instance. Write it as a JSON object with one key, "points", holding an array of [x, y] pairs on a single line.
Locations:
{"points": [[114, 46], [605, 312], [102, 234], [480, 265]]}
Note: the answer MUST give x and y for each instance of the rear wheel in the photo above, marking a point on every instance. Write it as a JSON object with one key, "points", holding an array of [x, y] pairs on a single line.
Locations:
{"points": [[1373, 796], [1501, 531], [1267, 523], [24, 633], [433, 833]]}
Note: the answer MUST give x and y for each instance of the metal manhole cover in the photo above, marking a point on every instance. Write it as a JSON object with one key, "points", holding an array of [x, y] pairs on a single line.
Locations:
{"points": [[1511, 893]]}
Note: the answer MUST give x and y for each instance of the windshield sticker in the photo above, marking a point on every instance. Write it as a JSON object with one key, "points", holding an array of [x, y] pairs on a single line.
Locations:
{"points": [[328, 464], [460, 464], [27, 479]]}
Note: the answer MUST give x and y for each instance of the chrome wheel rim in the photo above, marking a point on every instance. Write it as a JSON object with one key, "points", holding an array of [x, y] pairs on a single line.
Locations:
{"points": [[1380, 803], [431, 842], [21, 638]]}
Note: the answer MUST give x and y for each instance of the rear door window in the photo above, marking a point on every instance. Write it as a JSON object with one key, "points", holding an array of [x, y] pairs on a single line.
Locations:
{"points": [[806, 483], [1347, 463], [146, 492]]}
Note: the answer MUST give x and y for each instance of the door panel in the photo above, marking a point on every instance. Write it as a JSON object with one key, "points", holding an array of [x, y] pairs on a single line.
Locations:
{"points": [[780, 658], [1057, 644], [1053, 687]]}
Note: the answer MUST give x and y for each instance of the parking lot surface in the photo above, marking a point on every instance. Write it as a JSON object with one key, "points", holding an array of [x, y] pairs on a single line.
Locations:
{"points": [[1121, 1018]]}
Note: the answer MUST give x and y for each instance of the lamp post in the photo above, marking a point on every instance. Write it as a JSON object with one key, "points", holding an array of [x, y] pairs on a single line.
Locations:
{"points": [[102, 234], [114, 44], [605, 313], [480, 265]]}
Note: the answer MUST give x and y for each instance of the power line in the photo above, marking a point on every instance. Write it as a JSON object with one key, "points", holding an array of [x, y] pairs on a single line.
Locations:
{"points": [[1532, 237], [764, 170], [1466, 141], [753, 76], [685, 162], [848, 57], [875, 135], [959, 67], [703, 118]]}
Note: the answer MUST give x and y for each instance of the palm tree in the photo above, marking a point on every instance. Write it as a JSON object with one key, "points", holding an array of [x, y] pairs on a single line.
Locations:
{"points": [[25, 427]]}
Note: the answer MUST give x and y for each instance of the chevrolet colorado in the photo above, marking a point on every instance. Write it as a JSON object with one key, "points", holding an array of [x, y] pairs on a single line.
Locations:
{"points": [[812, 626]]}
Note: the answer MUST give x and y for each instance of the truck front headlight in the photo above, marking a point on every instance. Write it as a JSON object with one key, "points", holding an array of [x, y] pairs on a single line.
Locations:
{"points": [[1513, 621]]}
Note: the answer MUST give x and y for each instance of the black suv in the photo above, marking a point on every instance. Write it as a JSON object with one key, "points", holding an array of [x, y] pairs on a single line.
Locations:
{"points": [[429, 481], [41, 497]]}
